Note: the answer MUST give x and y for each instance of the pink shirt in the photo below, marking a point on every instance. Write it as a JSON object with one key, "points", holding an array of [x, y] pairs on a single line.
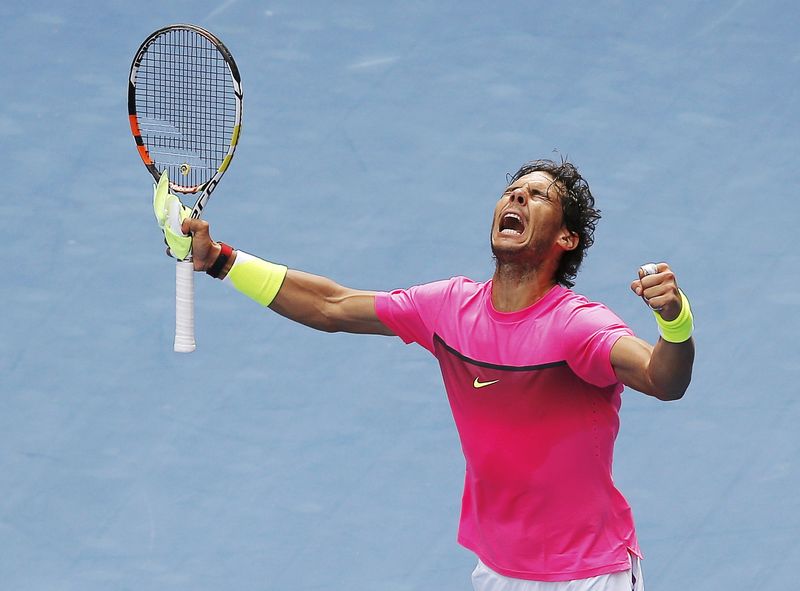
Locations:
{"points": [[536, 404]]}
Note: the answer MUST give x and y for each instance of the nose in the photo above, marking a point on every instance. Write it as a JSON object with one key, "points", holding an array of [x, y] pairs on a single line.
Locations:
{"points": [[518, 195]]}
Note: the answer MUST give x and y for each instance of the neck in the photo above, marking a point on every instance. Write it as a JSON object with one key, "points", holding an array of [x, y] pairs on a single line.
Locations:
{"points": [[515, 287]]}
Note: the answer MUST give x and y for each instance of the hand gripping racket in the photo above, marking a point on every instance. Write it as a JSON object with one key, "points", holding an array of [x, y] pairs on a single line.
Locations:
{"points": [[185, 110]]}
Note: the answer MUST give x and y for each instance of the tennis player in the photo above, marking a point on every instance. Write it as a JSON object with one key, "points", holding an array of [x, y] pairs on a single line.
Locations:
{"points": [[533, 372]]}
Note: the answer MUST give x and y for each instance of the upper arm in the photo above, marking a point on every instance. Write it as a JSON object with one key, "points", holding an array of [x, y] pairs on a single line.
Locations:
{"points": [[630, 358], [663, 371], [325, 305], [353, 310]]}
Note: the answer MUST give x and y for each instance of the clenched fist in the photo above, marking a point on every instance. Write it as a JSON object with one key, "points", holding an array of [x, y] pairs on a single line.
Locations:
{"points": [[657, 286]]}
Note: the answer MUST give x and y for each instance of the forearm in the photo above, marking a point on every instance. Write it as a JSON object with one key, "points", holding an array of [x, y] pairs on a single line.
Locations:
{"points": [[663, 371], [670, 369], [312, 300], [302, 297], [317, 302]]}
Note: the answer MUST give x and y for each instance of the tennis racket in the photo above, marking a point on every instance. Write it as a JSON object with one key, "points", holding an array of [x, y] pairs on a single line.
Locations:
{"points": [[185, 111]]}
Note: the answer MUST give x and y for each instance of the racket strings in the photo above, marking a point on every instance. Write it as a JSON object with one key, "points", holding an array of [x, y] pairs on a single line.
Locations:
{"points": [[186, 106]]}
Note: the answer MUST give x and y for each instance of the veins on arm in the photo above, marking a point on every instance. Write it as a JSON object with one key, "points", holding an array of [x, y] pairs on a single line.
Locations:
{"points": [[323, 304]]}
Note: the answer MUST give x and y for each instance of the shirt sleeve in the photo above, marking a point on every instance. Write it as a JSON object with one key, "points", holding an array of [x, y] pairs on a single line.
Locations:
{"points": [[411, 313], [590, 334]]}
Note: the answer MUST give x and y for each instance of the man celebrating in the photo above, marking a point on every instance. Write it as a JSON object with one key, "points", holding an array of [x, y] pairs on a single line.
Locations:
{"points": [[533, 373]]}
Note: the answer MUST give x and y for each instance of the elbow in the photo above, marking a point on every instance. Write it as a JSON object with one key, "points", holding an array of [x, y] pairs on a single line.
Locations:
{"points": [[329, 328], [672, 392], [326, 323], [669, 396], [328, 318]]}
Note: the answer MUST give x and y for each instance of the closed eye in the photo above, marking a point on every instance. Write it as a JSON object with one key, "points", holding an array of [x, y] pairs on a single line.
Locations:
{"points": [[532, 192]]}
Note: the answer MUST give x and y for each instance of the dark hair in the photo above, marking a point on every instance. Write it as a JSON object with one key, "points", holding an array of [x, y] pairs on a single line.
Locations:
{"points": [[577, 204]]}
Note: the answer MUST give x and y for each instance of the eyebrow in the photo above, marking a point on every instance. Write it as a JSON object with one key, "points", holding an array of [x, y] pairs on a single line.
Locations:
{"points": [[526, 185]]}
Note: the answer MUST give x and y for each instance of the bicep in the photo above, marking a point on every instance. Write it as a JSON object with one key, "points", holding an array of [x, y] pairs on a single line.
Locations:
{"points": [[323, 304], [354, 311], [630, 358]]}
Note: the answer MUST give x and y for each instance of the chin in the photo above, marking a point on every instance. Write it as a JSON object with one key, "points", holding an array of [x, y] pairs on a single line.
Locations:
{"points": [[508, 254], [523, 254], [504, 244]]}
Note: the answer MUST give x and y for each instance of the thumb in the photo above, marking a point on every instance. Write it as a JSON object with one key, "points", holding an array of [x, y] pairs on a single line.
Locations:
{"points": [[203, 247], [194, 226], [199, 229]]}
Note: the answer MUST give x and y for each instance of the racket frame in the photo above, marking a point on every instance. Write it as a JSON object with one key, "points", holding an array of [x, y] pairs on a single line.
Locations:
{"points": [[184, 275], [208, 187]]}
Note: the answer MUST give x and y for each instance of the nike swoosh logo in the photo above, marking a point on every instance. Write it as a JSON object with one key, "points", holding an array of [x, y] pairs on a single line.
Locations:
{"points": [[478, 384]]}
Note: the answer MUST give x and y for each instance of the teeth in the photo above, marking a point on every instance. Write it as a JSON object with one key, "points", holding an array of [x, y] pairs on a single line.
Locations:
{"points": [[513, 222]]}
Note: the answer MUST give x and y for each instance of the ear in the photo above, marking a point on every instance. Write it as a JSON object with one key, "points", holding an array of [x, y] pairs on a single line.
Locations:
{"points": [[568, 240]]}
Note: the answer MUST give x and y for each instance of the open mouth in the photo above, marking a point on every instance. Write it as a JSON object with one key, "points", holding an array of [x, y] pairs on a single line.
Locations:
{"points": [[511, 224]]}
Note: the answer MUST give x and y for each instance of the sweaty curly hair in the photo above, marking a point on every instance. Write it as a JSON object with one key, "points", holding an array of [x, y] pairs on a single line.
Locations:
{"points": [[577, 204]]}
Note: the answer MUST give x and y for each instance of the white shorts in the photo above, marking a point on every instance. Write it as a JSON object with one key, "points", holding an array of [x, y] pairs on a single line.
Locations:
{"points": [[485, 579]]}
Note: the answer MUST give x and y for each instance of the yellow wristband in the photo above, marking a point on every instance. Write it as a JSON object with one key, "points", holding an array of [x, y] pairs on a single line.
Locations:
{"points": [[680, 329], [256, 278]]}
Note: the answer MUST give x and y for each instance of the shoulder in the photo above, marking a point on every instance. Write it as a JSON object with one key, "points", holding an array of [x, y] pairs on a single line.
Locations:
{"points": [[465, 285], [414, 313], [434, 293], [455, 286], [577, 312]]}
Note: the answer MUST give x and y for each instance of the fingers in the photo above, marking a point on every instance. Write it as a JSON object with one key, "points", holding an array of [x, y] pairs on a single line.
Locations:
{"points": [[648, 269], [195, 226], [658, 287], [203, 247], [658, 296], [652, 269], [650, 275]]}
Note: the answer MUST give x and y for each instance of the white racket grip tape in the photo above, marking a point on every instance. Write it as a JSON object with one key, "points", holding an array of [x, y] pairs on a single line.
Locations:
{"points": [[649, 269], [184, 306]]}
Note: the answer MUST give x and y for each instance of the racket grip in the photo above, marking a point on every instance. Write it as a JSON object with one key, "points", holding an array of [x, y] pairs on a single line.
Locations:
{"points": [[184, 306]]}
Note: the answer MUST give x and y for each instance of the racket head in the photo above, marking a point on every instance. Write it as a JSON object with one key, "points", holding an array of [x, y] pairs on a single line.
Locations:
{"points": [[185, 108]]}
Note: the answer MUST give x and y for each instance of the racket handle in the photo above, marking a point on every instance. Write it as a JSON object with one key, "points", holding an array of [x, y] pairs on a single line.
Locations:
{"points": [[184, 306]]}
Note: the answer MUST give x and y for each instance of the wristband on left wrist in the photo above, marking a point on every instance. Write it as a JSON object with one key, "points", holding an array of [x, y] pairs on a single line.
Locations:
{"points": [[681, 328]]}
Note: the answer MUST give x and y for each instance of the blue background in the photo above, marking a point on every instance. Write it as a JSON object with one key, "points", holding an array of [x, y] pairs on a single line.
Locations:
{"points": [[376, 139]]}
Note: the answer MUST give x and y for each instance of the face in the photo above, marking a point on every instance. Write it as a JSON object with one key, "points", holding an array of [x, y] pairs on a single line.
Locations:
{"points": [[528, 221]]}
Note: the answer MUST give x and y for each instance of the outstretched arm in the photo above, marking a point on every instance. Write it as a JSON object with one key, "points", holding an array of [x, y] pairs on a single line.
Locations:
{"points": [[663, 371], [325, 305], [309, 299]]}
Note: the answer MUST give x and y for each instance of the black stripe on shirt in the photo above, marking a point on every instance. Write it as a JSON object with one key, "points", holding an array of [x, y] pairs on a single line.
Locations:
{"points": [[463, 357]]}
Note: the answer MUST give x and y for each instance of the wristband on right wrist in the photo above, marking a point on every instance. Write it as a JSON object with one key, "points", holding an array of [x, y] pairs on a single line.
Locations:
{"points": [[680, 329], [256, 278], [224, 254]]}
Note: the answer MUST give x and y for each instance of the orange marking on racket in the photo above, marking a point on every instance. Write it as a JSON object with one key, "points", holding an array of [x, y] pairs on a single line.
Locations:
{"points": [[144, 154], [134, 125]]}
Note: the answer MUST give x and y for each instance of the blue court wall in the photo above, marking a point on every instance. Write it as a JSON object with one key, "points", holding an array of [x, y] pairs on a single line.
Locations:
{"points": [[376, 139]]}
